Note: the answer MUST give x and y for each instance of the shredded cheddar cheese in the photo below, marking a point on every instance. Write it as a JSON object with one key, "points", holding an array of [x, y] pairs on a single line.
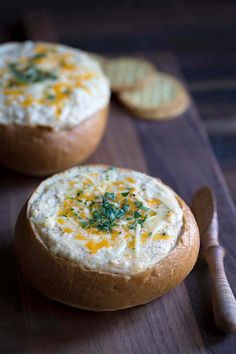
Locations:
{"points": [[67, 230], [61, 221], [109, 219], [144, 236], [61, 85], [160, 237], [95, 246], [80, 237]]}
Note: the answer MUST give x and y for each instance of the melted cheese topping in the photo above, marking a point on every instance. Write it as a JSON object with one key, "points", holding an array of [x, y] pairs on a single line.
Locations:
{"points": [[49, 85], [107, 219]]}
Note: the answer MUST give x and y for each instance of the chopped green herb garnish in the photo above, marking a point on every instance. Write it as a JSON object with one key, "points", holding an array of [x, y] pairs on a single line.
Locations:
{"points": [[138, 220], [140, 205], [137, 214], [132, 226], [84, 224], [30, 73], [38, 56], [11, 83], [106, 211], [125, 207], [141, 221], [125, 194], [50, 97], [105, 214], [110, 196]]}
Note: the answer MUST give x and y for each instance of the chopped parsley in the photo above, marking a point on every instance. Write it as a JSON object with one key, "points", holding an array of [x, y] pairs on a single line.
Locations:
{"points": [[38, 56], [107, 210], [139, 221], [136, 214], [125, 207], [50, 97], [79, 193], [125, 194], [104, 214], [30, 74], [84, 224], [110, 196], [140, 205]]}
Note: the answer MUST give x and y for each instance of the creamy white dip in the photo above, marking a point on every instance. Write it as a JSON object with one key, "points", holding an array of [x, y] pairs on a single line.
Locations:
{"points": [[49, 84], [107, 219]]}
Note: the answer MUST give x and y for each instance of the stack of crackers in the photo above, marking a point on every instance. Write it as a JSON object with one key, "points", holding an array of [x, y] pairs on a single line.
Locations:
{"points": [[142, 89]]}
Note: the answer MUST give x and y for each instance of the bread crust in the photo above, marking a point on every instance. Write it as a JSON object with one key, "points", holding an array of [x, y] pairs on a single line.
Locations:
{"points": [[69, 282], [41, 151]]}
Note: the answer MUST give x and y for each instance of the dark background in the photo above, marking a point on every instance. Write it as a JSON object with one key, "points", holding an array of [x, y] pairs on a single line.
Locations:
{"points": [[200, 33]]}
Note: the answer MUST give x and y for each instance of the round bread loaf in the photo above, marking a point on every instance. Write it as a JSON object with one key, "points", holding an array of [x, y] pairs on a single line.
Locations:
{"points": [[53, 106], [104, 238]]}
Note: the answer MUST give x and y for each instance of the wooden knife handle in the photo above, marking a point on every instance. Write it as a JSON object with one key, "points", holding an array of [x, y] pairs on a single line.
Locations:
{"points": [[223, 300]]}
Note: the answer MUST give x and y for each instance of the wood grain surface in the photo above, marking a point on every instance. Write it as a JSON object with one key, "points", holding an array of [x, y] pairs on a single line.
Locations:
{"points": [[177, 151]]}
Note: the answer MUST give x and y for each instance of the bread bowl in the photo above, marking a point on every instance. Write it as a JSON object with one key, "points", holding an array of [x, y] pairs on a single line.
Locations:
{"points": [[103, 238], [53, 106]]}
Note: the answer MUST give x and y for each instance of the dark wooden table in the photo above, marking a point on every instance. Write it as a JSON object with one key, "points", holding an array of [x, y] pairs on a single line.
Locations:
{"points": [[177, 151]]}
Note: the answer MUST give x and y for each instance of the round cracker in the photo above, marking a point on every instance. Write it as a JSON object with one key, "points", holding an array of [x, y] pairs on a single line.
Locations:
{"points": [[163, 98], [127, 73]]}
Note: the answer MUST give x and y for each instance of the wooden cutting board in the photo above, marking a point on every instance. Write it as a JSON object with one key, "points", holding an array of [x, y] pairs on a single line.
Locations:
{"points": [[178, 152]]}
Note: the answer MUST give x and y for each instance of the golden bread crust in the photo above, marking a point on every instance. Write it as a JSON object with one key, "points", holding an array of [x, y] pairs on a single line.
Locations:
{"points": [[41, 151], [68, 282]]}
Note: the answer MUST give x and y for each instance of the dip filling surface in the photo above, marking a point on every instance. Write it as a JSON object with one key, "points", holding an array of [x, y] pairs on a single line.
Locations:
{"points": [[107, 219], [49, 85]]}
